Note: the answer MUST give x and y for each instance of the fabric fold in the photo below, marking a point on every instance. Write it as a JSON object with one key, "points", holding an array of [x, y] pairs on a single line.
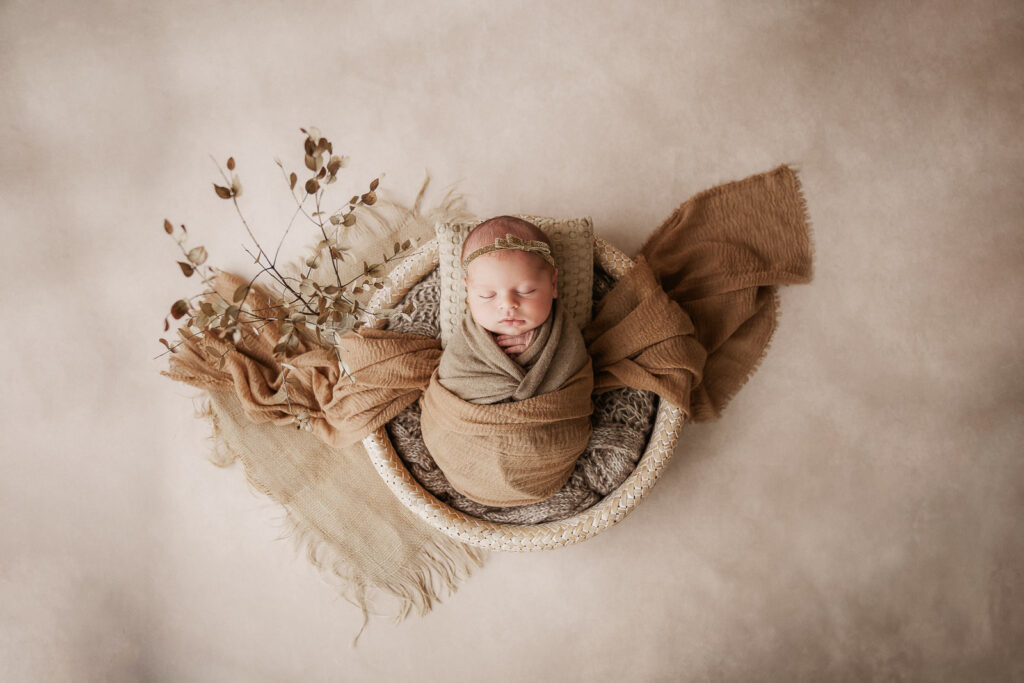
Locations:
{"points": [[642, 339], [508, 454], [391, 371], [721, 256]]}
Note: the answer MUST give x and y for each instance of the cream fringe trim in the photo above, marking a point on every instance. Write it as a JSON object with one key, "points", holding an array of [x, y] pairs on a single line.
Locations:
{"points": [[442, 565]]}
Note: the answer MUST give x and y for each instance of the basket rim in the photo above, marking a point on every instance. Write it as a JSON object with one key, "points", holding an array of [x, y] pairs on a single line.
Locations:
{"points": [[607, 512]]}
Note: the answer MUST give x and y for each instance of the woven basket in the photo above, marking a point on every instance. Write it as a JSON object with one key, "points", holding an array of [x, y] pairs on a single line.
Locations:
{"points": [[609, 511]]}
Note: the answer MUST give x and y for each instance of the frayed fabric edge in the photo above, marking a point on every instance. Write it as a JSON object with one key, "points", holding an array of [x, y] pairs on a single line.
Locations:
{"points": [[443, 563]]}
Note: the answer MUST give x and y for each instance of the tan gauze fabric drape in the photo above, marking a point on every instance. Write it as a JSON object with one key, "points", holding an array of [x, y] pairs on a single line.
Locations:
{"points": [[719, 257]]}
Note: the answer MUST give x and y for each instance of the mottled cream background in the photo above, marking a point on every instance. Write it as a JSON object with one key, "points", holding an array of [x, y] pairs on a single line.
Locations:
{"points": [[854, 515]]}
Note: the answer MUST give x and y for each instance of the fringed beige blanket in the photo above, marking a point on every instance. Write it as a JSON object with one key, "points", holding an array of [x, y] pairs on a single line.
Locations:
{"points": [[718, 258], [349, 522]]}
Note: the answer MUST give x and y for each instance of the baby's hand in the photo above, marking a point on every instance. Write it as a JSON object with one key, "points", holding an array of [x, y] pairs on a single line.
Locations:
{"points": [[514, 344]]}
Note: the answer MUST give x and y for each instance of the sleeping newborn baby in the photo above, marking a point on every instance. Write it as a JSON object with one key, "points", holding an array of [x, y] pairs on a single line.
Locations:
{"points": [[507, 412], [516, 341]]}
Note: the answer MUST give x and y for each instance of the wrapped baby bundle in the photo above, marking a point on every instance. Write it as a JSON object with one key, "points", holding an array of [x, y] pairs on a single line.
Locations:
{"points": [[508, 432]]}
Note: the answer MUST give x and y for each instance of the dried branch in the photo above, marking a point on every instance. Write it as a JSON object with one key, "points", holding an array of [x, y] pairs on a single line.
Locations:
{"points": [[312, 312]]}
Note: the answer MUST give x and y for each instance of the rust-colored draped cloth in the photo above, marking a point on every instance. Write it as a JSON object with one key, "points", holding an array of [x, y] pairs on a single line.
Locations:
{"points": [[721, 256], [689, 322]]}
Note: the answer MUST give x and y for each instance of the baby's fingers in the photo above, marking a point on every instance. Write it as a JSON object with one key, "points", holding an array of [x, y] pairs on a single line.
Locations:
{"points": [[509, 339], [514, 350]]}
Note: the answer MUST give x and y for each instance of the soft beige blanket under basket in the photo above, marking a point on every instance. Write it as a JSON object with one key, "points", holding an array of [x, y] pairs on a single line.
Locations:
{"points": [[689, 322]]}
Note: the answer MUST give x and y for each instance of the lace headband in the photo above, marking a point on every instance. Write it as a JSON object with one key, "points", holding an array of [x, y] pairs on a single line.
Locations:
{"points": [[510, 241]]}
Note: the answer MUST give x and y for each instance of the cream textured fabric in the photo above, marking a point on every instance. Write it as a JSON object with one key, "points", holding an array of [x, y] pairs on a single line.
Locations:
{"points": [[371, 548], [572, 242]]}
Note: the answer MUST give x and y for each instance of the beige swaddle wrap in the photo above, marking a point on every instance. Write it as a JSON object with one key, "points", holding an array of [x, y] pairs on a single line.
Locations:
{"points": [[474, 367], [510, 453]]}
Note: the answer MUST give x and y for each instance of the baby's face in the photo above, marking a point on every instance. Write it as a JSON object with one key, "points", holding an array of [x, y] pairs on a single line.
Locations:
{"points": [[511, 291]]}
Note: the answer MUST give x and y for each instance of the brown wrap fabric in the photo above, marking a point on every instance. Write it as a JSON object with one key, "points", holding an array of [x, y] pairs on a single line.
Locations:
{"points": [[508, 454], [640, 338], [721, 256], [503, 454], [393, 369]]}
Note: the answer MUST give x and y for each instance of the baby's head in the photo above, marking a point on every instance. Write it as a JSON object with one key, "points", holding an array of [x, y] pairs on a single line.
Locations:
{"points": [[510, 290]]}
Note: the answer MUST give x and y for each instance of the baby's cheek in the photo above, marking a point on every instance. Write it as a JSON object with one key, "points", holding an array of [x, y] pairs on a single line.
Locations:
{"points": [[546, 306]]}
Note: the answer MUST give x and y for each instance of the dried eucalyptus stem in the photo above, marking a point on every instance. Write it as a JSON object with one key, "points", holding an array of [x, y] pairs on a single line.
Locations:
{"points": [[305, 310]]}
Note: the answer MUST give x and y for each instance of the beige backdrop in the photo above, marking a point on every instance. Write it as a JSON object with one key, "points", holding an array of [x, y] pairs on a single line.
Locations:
{"points": [[854, 514]]}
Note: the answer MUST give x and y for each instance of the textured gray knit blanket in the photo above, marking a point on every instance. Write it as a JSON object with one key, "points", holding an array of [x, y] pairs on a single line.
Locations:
{"points": [[622, 422]]}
